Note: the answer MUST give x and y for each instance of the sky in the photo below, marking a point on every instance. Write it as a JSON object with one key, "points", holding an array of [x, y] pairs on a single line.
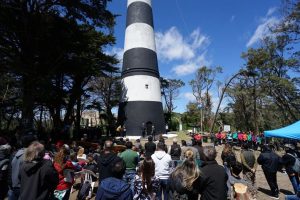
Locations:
{"points": [[192, 33]]}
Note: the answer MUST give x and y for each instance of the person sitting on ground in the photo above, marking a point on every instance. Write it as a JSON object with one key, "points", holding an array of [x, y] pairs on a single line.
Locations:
{"points": [[114, 187], [150, 147], [212, 182], [73, 158], [183, 179], [91, 165], [121, 141], [105, 159], [162, 162], [146, 184], [38, 176]]}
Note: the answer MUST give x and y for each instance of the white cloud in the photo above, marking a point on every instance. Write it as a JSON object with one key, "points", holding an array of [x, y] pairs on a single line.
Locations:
{"points": [[263, 29], [190, 51], [191, 66], [271, 11], [118, 52], [189, 96]]}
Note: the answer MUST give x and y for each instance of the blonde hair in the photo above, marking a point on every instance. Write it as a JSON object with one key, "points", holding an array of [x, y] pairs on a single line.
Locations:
{"points": [[35, 151], [80, 152], [188, 170]]}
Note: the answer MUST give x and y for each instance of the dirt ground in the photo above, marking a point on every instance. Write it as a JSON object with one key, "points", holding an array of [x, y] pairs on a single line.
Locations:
{"points": [[261, 183]]}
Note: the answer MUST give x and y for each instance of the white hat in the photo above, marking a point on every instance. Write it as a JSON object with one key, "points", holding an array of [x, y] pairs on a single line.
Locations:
{"points": [[175, 140]]}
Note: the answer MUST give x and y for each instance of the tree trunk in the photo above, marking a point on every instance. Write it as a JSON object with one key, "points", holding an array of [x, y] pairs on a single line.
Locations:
{"points": [[28, 103]]}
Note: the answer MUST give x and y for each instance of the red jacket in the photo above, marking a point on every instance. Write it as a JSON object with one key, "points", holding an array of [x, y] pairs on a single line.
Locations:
{"points": [[62, 185]]}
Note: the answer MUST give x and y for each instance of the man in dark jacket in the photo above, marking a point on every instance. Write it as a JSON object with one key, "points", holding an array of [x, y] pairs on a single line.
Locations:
{"points": [[212, 181], [150, 147], [114, 187], [38, 176], [175, 151], [288, 160], [270, 163], [105, 161]]}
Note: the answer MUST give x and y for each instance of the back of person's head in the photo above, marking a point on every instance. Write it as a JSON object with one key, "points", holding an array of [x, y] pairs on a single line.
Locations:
{"points": [[27, 139], [210, 153], [108, 145], [61, 155], [236, 168], [150, 138], [246, 146], [147, 170], [227, 149], [118, 168], [138, 140], [188, 154], [183, 142], [160, 146], [121, 139], [175, 141], [185, 174], [128, 145], [34, 152]]}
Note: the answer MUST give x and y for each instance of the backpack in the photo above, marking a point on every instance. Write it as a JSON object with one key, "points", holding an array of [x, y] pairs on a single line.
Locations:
{"points": [[175, 150], [84, 190], [296, 165]]}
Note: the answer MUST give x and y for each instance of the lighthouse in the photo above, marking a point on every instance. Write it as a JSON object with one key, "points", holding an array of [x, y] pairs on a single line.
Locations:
{"points": [[140, 108]]}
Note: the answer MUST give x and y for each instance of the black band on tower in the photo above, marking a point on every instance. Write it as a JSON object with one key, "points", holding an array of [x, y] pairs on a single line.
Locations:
{"points": [[139, 12]]}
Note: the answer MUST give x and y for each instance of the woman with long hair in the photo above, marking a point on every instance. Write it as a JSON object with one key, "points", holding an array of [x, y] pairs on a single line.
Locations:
{"points": [[146, 184], [65, 170], [182, 179], [228, 156]]}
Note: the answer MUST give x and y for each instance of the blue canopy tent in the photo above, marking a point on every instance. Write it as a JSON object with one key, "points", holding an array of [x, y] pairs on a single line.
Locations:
{"points": [[292, 132]]}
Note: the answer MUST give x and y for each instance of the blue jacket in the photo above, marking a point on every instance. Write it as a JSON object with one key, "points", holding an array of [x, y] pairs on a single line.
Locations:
{"points": [[113, 188]]}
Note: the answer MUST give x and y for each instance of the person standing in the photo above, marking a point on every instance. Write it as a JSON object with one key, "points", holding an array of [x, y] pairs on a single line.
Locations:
{"points": [[150, 147], [5, 150], [183, 178], [64, 168], [146, 184], [175, 151], [249, 168], [288, 160], [114, 187], [105, 160], [131, 159], [14, 169], [211, 183], [270, 163], [38, 176], [162, 162]]}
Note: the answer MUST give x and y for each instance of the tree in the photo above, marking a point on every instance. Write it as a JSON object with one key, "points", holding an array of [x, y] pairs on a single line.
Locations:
{"points": [[54, 45], [170, 91], [201, 85]]}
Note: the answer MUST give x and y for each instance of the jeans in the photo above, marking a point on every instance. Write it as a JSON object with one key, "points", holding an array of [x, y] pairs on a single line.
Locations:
{"points": [[13, 194], [164, 189], [129, 177], [291, 197], [295, 181]]}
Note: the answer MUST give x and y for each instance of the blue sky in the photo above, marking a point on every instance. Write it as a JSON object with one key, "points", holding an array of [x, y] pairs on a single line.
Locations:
{"points": [[193, 33]]}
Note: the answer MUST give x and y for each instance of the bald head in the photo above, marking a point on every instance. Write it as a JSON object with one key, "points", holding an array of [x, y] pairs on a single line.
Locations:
{"points": [[108, 145]]}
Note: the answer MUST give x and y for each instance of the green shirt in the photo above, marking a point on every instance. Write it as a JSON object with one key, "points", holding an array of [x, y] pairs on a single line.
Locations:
{"points": [[130, 158]]}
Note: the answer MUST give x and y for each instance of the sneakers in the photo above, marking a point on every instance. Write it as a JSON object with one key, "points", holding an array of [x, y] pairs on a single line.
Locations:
{"points": [[275, 197]]}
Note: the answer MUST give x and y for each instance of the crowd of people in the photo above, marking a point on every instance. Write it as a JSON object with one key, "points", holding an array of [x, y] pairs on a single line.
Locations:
{"points": [[37, 171]]}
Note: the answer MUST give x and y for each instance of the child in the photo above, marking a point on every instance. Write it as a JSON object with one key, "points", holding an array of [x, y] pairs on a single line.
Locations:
{"points": [[234, 177]]}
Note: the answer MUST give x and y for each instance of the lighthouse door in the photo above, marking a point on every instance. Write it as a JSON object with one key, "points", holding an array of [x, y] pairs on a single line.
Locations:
{"points": [[149, 128]]}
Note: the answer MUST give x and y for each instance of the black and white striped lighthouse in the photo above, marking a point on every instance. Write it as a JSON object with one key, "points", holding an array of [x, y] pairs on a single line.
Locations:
{"points": [[140, 107]]}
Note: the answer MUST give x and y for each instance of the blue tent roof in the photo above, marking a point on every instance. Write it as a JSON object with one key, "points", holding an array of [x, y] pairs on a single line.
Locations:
{"points": [[292, 131]]}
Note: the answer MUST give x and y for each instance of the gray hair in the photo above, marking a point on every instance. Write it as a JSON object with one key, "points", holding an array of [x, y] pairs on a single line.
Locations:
{"points": [[210, 153], [35, 151]]}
